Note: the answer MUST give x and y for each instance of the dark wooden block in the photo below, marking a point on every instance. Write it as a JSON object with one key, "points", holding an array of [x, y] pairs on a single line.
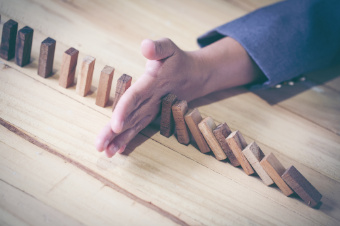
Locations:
{"points": [[68, 67], [23, 46], [46, 57], [123, 83], [179, 109], [301, 186], [167, 120], [9, 35]]}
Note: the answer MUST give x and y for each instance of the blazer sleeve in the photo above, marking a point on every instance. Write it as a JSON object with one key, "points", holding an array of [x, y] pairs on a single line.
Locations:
{"points": [[288, 38]]}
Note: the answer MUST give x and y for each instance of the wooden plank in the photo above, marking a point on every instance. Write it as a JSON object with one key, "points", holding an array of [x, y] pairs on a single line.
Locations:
{"points": [[302, 186], [254, 155], [221, 132], [275, 169], [167, 120], [179, 109], [68, 67], [8, 38], [192, 119], [47, 49], [206, 127], [123, 83], [23, 46], [104, 87], [237, 143], [84, 81]]}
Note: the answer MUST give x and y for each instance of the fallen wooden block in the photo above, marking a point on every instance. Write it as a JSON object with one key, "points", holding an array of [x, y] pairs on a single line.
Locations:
{"points": [[193, 118], [46, 57], [23, 46], [123, 83], [302, 186], [104, 87], [254, 155], [237, 143], [167, 120], [275, 169], [84, 80], [207, 126], [221, 132], [179, 109], [68, 67], [8, 39]]}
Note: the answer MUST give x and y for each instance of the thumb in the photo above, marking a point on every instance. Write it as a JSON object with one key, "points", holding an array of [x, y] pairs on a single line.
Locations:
{"points": [[158, 50]]}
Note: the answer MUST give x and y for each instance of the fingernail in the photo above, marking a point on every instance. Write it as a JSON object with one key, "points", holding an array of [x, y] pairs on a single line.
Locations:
{"points": [[106, 143], [122, 149], [114, 149], [117, 126]]}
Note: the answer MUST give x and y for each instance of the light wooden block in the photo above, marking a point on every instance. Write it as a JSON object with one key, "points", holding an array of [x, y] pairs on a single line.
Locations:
{"points": [[167, 120], [46, 57], [123, 83], [237, 143], [179, 109], [206, 127], [275, 169], [104, 87], [221, 132], [302, 186], [84, 81], [23, 46], [254, 155], [8, 39], [68, 67], [193, 118]]}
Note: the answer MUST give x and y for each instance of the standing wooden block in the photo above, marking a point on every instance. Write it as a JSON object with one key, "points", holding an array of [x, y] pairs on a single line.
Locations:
{"points": [[46, 57], [167, 120], [237, 143], [179, 109], [301, 186], [193, 118], [104, 87], [207, 126], [123, 83], [85, 76], [275, 169], [221, 132], [23, 46], [68, 67], [9, 35], [254, 155]]}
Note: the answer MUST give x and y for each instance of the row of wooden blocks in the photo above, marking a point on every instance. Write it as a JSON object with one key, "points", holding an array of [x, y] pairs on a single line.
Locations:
{"points": [[19, 45], [227, 144]]}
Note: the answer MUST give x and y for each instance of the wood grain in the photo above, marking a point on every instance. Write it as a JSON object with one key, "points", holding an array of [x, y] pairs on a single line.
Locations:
{"points": [[254, 155], [8, 38], [104, 87], [275, 169], [206, 127], [68, 67], [123, 83], [84, 80], [221, 132], [46, 57], [237, 143], [23, 46], [167, 121], [302, 186], [192, 119], [179, 109]]}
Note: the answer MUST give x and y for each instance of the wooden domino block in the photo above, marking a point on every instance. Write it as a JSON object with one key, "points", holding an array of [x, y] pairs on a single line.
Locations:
{"points": [[68, 67], [167, 120], [84, 80], [123, 83], [8, 39], [221, 132], [237, 143], [193, 118], [301, 186], [23, 46], [179, 109], [206, 127], [254, 155], [275, 169], [104, 87], [46, 57]]}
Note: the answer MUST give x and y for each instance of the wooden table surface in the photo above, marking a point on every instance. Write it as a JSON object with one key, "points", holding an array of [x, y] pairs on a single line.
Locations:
{"points": [[51, 174]]}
